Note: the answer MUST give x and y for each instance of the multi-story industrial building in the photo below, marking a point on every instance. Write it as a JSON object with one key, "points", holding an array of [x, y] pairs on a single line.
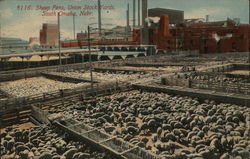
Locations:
{"points": [[206, 37], [114, 36], [175, 16], [49, 35]]}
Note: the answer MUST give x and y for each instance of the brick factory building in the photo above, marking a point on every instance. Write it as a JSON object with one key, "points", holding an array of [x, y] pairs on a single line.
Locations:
{"points": [[175, 16], [49, 35], [206, 37], [114, 36]]}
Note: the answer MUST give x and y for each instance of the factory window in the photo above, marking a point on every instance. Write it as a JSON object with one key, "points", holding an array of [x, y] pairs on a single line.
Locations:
{"points": [[179, 43], [234, 46], [205, 49], [218, 47], [191, 42], [205, 42]]}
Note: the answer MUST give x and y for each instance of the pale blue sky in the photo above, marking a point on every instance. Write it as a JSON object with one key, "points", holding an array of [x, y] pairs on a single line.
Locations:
{"points": [[25, 24]]}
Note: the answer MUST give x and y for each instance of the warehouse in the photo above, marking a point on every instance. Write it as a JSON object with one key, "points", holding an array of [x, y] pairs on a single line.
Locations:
{"points": [[206, 37]]}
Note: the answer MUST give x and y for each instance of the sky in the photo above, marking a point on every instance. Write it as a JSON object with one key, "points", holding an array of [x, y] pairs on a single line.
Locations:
{"points": [[24, 18]]}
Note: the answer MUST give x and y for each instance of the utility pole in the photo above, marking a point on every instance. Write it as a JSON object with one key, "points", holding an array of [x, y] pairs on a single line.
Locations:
{"points": [[90, 60], [139, 13], [128, 27], [99, 18], [177, 40], [59, 42], [74, 26], [249, 26], [0, 29]]}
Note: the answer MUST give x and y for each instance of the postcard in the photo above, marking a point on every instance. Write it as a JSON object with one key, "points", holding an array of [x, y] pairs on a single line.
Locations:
{"points": [[124, 79]]}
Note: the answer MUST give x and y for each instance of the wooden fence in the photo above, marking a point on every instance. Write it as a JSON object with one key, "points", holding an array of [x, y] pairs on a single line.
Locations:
{"points": [[209, 84], [238, 88], [17, 110], [96, 138], [32, 72]]}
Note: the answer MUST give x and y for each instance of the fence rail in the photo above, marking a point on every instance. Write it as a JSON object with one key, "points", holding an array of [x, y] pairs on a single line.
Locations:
{"points": [[14, 111], [99, 139], [238, 87], [12, 102]]}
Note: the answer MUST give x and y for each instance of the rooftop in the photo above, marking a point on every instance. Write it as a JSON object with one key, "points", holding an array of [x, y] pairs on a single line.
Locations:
{"points": [[165, 9]]}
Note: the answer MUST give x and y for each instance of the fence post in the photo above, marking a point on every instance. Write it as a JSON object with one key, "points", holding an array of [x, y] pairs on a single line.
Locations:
{"points": [[44, 96], [110, 90], [18, 114], [81, 96], [222, 84], [238, 87], [117, 84], [61, 93], [189, 83]]}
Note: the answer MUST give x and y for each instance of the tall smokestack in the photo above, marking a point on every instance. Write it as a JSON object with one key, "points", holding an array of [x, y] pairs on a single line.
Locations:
{"points": [[207, 18], [99, 18], [144, 29], [139, 12], [144, 12], [133, 13], [74, 27], [128, 20]]}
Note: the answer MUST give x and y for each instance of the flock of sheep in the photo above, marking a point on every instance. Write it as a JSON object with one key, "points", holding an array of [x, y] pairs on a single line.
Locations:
{"points": [[99, 76], [170, 126], [173, 127], [36, 85], [44, 142]]}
